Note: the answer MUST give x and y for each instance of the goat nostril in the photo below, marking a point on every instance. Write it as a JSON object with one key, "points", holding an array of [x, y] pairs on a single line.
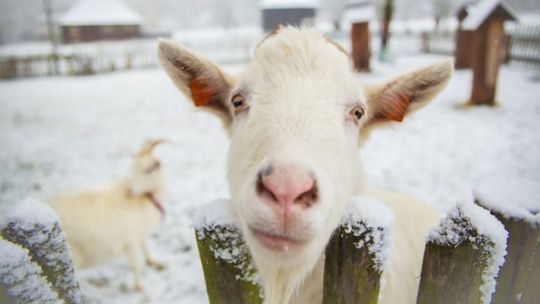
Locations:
{"points": [[263, 191], [309, 197], [287, 189]]}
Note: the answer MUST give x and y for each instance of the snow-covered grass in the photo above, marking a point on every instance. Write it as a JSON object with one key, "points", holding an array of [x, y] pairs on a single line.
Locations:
{"points": [[64, 133]]}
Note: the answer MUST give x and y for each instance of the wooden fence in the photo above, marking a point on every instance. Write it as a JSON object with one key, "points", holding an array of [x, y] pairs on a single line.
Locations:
{"points": [[461, 262], [103, 57], [464, 259], [35, 266], [524, 47]]}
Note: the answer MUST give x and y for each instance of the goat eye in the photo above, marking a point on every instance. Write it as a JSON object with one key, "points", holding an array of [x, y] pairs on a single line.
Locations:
{"points": [[238, 101], [357, 112]]}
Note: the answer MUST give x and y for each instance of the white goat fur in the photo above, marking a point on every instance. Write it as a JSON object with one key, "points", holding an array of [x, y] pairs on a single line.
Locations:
{"points": [[115, 219], [299, 90]]}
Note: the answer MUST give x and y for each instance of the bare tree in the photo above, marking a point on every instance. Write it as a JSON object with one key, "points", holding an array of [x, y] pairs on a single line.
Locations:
{"points": [[441, 10], [388, 12]]}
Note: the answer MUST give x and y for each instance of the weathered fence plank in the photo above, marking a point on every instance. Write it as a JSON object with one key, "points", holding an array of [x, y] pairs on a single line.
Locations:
{"points": [[34, 226], [357, 252], [21, 279], [351, 275], [462, 258], [516, 204], [227, 266], [228, 269], [355, 256]]}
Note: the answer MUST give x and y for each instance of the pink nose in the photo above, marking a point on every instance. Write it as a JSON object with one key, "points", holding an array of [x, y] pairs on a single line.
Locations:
{"points": [[287, 186]]}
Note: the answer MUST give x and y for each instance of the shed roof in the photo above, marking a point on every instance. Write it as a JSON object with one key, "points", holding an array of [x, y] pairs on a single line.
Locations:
{"points": [[277, 4], [480, 12], [101, 12], [359, 11]]}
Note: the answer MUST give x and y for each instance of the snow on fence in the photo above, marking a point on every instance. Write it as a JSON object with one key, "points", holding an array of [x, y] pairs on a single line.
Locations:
{"points": [[223, 46], [35, 265], [518, 210], [464, 260]]}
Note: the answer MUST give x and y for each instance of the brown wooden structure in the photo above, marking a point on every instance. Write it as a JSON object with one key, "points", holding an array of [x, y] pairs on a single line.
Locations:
{"points": [[361, 51], [487, 19], [359, 13], [465, 42], [100, 20]]}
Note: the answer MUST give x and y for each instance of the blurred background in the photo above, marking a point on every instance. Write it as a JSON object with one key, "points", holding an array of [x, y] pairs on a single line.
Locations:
{"points": [[81, 90], [225, 31]]}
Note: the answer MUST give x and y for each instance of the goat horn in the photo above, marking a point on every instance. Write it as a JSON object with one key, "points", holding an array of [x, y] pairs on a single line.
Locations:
{"points": [[149, 145]]}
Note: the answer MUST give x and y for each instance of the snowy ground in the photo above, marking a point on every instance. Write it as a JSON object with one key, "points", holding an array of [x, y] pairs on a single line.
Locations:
{"points": [[65, 133]]}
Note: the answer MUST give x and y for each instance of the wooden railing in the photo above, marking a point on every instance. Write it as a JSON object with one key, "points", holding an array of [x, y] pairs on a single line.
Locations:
{"points": [[464, 260], [479, 253]]}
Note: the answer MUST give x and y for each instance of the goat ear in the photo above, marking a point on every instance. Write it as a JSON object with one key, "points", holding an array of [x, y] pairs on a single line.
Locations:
{"points": [[198, 78], [392, 101]]}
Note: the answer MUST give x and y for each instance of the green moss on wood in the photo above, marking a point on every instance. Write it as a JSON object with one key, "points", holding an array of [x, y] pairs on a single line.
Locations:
{"points": [[351, 275], [228, 269], [453, 274]]}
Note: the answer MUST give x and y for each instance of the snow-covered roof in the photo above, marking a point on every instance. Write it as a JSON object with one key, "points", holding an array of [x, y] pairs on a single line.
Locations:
{"points": [[360, 13], [100, 12], [480, 11], [275, 4]]}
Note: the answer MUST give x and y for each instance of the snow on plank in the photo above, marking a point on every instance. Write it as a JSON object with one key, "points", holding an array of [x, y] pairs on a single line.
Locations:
{"points": [[516, 203], [228, 268], [31, 224], [362, 244], [357, 253], [21, 280], [462, 257]]}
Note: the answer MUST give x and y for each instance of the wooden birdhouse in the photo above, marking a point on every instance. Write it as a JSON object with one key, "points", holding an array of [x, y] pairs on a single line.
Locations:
{"points": [[486, 19], [359, 13], [465, 42]]}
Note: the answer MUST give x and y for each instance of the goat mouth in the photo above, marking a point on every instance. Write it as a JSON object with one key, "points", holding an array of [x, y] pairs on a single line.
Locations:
{"points": [[275, 242]]}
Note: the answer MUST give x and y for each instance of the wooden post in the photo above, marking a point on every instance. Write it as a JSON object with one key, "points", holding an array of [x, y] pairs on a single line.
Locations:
{"points": [[360, 40], [531, 292], [44, 239], [486, 63], [519, 278], [456, 259], [354, 257], [465, 49], [21, 279], [228, 269], [351, 274]]}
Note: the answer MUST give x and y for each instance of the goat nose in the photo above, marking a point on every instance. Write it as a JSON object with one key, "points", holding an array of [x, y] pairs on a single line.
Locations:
{"points": [[287, 187]]}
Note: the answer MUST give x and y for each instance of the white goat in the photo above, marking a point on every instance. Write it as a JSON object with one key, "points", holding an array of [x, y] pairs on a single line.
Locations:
{"points": [[115, 219], [296, 117]]}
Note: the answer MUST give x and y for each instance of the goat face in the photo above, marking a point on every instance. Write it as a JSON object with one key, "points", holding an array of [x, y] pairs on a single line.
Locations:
{"points": [[146, 175], [296, 116]]}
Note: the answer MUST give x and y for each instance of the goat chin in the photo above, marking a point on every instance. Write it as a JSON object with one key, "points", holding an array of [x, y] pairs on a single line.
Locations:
{"points": [[413, 221], [106, 222]]}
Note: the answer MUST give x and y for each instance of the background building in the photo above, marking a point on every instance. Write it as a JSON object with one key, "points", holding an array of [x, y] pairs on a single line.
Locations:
{"points": [[99, 20], [280, 12]]}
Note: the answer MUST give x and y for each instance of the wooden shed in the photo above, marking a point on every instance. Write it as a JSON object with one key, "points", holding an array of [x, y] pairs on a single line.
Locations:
{"points": [[486, 19], [91, 20], [465, 41], [283, 12]]}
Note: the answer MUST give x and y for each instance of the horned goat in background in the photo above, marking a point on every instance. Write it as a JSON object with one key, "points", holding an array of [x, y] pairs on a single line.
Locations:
{"points": [[115, 219], [296, 117]]}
